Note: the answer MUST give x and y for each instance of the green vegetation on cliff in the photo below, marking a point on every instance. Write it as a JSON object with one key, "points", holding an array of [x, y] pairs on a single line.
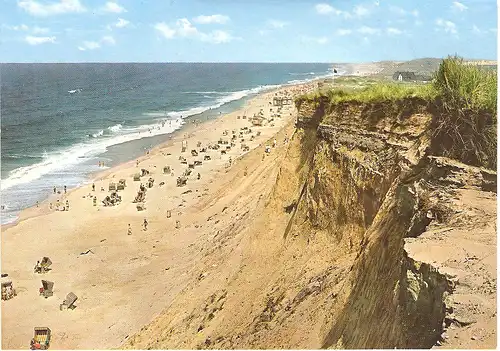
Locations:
{"points": [[464, 99]]}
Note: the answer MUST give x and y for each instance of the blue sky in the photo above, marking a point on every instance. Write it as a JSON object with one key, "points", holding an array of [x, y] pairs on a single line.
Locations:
{"points": [[248, 31]]}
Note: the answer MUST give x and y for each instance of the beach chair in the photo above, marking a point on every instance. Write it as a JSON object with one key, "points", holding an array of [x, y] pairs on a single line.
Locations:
{"points": [[43, 266], [121, 184], [166, 169], [194, 153], [181, 181], [8, 291], [69, 302], [47, 289], [112, 186], [41, 339], [198, 144], [140, 206], [191, 165], [137, 177], [197, 163]]}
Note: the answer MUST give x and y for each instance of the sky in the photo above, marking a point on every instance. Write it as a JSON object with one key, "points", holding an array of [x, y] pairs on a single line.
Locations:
{"points": [[245, 31]]}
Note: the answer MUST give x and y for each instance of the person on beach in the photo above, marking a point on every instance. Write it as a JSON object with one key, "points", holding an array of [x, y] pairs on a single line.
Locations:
{"points": [[37, 204], [145, 224], [129, 230], [274, 143], [67, 205], [137, 163], [55, 190], [93, 187], [65, 189], [199, 176], [95, 200]]}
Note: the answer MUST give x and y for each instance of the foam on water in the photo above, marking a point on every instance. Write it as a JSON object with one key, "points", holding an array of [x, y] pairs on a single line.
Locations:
{"points": [[60, 160], [115, 128]]}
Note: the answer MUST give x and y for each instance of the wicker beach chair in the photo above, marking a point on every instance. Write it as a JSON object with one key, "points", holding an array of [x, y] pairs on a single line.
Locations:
{"points": [[69, 302], [47, 289]]}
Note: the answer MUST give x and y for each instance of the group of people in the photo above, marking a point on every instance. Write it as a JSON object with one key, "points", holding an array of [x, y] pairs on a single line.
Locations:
{"points": [[56, 192], [60, 206]]}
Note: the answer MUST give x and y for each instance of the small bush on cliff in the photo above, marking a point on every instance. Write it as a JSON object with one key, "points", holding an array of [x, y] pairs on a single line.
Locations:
{"points": [[467, 127]]}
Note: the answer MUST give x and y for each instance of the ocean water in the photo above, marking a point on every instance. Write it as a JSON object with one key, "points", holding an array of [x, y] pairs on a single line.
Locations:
{"points": [[58, 120]]}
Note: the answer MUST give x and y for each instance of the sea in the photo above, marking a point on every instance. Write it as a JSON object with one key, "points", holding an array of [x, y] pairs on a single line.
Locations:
{"points": [[59, 120]]}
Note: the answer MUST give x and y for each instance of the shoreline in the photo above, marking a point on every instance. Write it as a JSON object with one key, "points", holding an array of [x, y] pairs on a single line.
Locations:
{"points": [[187, 127], [120, 267]]}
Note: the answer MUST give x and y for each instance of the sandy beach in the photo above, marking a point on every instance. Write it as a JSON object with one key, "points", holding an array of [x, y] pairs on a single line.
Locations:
{"points": [[123, 281]]}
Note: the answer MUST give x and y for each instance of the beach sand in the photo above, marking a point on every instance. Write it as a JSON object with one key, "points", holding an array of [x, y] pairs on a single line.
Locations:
{"points": [[124, 281]]}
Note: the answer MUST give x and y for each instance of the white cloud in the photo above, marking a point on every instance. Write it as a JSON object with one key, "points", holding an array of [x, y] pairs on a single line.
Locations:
{"points": [[402, 12], [32, 40], [121, 23], [185, 29], [324, 9], [89, 45], [40, 30], [221, 19], [277, 24], [447, 26], [368, 30], [55, 8], [315, 40], [25, 28], [113, 7], [21, 27], [343, 32], [458, 6], [477, 30], [93, 45], [358, 11], [165, 30], [107, 39], [361, 11], [217, 37], [394, 31]]}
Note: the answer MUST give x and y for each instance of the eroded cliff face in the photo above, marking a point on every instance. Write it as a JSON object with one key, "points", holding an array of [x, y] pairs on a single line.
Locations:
{"points": [[334, 257]]}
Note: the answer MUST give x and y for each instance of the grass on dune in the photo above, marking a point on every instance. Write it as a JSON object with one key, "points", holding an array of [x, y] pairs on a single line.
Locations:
{"points": [[467, 96]]}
